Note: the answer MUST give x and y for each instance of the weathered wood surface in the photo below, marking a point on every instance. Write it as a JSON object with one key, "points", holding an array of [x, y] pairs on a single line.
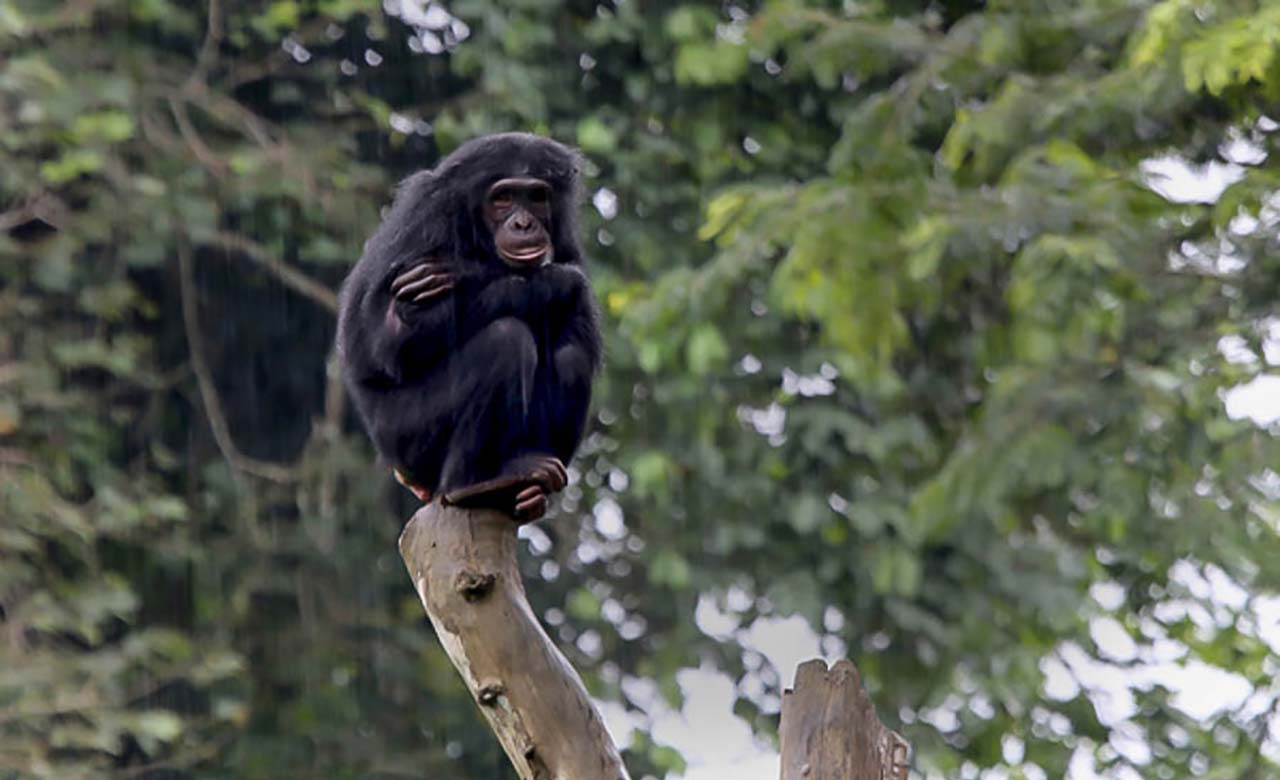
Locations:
{"points": [[463, 564], [830, 730]]}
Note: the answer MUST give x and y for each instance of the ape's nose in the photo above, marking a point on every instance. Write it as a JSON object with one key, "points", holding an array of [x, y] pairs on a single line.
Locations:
{"points": [[522, 222]]}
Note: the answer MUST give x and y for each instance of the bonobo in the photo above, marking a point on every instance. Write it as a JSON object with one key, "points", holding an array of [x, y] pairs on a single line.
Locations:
{"points": [[468, 331]]}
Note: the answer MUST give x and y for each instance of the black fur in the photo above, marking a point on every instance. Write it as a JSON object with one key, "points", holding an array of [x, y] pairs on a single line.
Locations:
{"points": [[456, 389]]}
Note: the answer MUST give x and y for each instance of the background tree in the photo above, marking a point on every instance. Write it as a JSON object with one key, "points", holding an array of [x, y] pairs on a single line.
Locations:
{"points": [[912, 331]]}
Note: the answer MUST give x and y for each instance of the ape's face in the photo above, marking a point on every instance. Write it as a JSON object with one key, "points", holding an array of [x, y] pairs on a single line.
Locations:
{"points": [[518, 214]]}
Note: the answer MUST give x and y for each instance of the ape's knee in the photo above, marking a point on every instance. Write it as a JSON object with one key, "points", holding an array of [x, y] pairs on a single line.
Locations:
{"points": [[506, 346], [572, 365]]}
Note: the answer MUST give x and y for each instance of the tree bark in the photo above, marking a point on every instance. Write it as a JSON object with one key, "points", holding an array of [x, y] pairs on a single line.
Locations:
{"points": [[830, 730], [463, 564]]}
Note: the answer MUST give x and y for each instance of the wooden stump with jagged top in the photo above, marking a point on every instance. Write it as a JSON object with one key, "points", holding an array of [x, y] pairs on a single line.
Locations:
{"points": [[830, 730]]}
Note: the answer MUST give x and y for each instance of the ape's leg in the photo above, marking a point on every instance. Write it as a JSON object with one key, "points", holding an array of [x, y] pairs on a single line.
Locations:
{"points": [[489, 384], [572, 350], [555, 423], [493, 459], [564, 397], [410, 424]]}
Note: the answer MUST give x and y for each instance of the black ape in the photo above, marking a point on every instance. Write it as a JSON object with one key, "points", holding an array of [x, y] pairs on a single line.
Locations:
{"points": [[468, 331]]}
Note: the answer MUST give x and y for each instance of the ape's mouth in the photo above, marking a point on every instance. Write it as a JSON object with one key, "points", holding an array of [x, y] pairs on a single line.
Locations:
{"points": [[526, 254]]}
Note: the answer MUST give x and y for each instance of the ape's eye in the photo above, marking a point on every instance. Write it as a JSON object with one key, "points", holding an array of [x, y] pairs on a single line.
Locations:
{"points": [[539, 195], [502, 199]]}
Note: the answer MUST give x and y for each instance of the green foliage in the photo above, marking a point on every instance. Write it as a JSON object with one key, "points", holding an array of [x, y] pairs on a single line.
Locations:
{"points": [[900, 331]]}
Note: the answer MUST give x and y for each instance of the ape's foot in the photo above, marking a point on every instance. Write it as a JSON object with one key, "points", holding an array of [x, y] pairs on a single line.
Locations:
{"points": [[422, 493], [522, 491]]}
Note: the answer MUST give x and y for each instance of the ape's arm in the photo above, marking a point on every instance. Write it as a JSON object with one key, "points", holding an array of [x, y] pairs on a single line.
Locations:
{"points": [[438, 325], [407, 332], [447, 304]]}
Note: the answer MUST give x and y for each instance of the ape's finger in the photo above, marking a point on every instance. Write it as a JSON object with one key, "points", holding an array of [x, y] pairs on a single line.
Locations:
{"points": [[417, 284], [553, 474], [561, 472], [430, 284], [416, 273], [554, 480], [429, 294], [408, 277], [532, 508]]}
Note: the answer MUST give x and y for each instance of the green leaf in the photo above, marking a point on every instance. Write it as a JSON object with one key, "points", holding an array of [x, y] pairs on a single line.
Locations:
{"points": [[595, 137], [711, 64], [583, 605], [650, 472], [925, 245], [807, 514], [72, 164], [688, 22], [671, 569], [107, 126], [707, 350]]}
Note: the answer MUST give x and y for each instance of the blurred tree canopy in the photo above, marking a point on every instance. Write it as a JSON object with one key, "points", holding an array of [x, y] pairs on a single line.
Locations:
{"points": [[912, 331]]}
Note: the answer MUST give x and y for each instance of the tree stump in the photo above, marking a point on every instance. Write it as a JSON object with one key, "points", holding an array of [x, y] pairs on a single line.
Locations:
{"points": [[463, 564], [830, 730]]}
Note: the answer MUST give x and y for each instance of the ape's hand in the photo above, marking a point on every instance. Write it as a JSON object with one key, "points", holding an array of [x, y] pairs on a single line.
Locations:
{"points": [[560, 281], [428, 279]]}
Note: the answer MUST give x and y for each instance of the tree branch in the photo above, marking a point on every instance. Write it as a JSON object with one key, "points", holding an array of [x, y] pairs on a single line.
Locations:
{"points": [[335, 404], [199, 149], [463, 564], [212, 40], [273, 472], [288, 275]]}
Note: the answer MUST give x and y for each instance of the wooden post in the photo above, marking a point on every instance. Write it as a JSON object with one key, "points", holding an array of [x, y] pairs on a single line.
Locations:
{"points": [[463, 564], [830, 730]]}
